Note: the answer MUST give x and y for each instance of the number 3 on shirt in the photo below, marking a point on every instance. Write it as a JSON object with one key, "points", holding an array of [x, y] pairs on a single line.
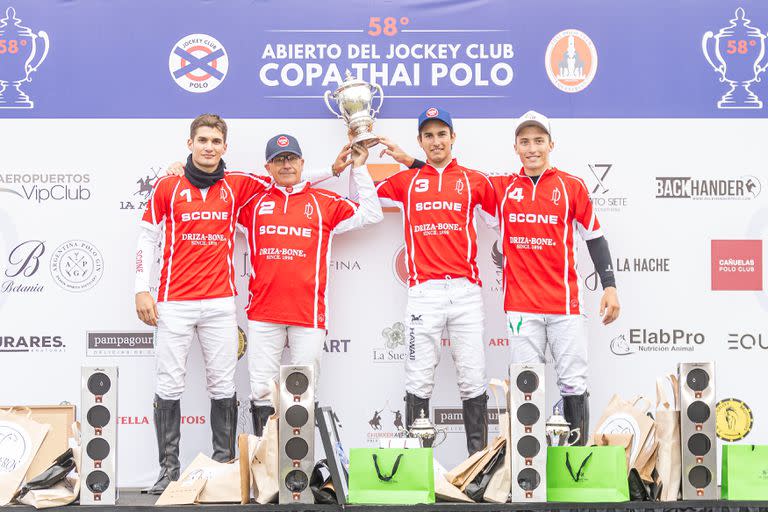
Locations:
{"points": [[422, 185], [516, 194]]}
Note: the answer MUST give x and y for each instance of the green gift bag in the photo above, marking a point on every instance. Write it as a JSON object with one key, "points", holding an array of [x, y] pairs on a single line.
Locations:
{"points": [[384, 476], [587, 474], [745, 472]]}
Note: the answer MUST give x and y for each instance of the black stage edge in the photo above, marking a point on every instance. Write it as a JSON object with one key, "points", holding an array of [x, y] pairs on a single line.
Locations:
{"points": [[133, 500]]}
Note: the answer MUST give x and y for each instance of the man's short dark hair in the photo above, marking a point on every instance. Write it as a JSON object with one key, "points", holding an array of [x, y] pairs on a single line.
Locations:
{"points": [[209, 120]]}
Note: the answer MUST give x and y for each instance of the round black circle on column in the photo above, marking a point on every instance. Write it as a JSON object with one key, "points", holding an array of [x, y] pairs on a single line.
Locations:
{"points": [[528, 446], [296, 481], [296, 448], [528, 414], [527, 381], [700, 477], [99, 383], [296, 383], [698, 412], [528, 479], [297, 416], [98, 481], [97, 448], [98, 416], [697, 379], [699, 444]]}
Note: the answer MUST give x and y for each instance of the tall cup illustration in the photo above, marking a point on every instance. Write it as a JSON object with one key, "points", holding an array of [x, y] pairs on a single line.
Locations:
{"points": [[355, 101], [19, 48], [738, 50]]}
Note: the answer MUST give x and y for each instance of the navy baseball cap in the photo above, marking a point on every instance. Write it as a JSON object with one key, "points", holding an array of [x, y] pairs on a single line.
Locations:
{"points": [[436, 113], [282, 144]]}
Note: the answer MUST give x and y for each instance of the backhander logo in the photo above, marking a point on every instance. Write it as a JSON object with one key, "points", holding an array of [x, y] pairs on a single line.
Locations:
{"points": [[743, 188]]}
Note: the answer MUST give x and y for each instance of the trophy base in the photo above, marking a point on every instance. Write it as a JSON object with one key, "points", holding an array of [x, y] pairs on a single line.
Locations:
{"points": [[367, 139], [740, 97], [14, 97]]}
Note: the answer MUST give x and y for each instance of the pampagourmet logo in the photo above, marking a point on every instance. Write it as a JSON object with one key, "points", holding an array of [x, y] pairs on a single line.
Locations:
{"points": [[112, 344], [571, 61], [627, 265], [198, 63], [400, 266], [138, 200], [45, 187], [31, 343], [656, 340], [738, 49], [737, 265], [733, 419], [22, 265], [76, 265], [742, 188], [452, 418], [23, 52], [393, 349]]}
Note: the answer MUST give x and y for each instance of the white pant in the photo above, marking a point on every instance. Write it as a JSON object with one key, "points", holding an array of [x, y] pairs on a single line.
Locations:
{"points": [[529, 334], [216, 326], [455, 304], [266, 342]]}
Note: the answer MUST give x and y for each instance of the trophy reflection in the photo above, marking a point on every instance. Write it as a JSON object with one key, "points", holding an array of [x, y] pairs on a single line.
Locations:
{"points": [[19, 47], [739, 50]]}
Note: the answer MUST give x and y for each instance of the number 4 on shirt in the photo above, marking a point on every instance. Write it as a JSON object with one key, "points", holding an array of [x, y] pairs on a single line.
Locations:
{"points": [[516, 194]]}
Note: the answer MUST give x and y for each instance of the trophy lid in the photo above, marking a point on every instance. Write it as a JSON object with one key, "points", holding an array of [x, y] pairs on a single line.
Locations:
{"points": [[350, 81], [422, 423], [15, 29], [557, 420], [740, 27]]}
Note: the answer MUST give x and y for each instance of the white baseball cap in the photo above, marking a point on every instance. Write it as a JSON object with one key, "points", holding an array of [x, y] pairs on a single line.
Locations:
{"points": [[533, 118]]}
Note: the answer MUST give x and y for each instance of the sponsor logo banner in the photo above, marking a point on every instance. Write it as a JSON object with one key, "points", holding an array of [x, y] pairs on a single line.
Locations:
{"points": [[643, 340], [31, 343], [113, 343], [737, 265], [733, 419], [743, 188]]}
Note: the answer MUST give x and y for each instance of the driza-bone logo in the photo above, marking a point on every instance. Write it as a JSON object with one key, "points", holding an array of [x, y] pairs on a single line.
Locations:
{"points": [[737, 265], [743, 188], [571, 61], [23, 52], [198, 63], [76, 265]]}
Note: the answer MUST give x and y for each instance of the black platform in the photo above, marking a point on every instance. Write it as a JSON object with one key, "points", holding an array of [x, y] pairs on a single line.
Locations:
{"points": [[132, 500]]}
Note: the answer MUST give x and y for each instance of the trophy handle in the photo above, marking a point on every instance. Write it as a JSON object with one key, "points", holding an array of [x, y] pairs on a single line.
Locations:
{"points": [[437, 443], [758, 68], [30, 68], [326, 97], [704, 40], [381, 99], [578, 436]]}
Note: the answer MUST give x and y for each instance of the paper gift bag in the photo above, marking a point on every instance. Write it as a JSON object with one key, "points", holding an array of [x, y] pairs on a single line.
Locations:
{"points": [[391, 476], [263, 453], [61, 493], [668, 455], [629, 417], [444, 490], [745, 472], [222, 479], [498, 488], [21, 439], [623, 440], [587, 474]]}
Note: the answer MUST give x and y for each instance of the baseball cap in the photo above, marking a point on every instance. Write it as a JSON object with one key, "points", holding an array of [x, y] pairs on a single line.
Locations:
{"points": [[533, 118], [436, 113], [282, 143]]}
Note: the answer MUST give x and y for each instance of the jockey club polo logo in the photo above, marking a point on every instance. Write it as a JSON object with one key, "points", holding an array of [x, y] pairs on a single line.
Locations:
{"points": [[77, 265], [571, 61], [393, 350], [21, 54], [198, 63]]}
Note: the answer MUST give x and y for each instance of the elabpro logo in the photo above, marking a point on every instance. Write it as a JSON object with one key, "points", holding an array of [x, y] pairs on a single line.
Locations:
{"points": [[571, 61], [22, 266], [31, 343], [113, 344], [604, 197], [400, 266], [24, 52], [737, 265], [651, 265], [76, 265], [393, 349], [657, 340], [143, 190], [742, 188], [198, 63], [46, 187]]}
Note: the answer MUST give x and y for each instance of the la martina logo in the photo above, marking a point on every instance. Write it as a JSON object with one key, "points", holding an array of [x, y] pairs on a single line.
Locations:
{"points": [[143, 190]]}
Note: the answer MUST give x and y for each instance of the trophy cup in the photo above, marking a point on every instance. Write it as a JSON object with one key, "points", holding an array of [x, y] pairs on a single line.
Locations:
{"points": [[558, 431], [425, 431], [15, 68], [739, 49], [355, 101]]}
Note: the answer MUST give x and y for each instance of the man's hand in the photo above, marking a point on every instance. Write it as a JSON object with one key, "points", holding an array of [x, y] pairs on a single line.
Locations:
{"points": [[342, 160], [359, 155], [175, 169], [395, 152], [146, 309], [609, 305]]}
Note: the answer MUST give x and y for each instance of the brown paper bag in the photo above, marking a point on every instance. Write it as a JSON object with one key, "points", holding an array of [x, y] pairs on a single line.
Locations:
{"points": [[624, 440], [181, 492], [264, 472], [628, 417], [222, 479], [20, 439], [444, 490], [499, 486], [668, 457]]}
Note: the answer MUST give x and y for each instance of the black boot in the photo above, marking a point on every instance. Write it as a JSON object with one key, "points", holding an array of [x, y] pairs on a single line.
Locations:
{"points": [[576, 412], [168, 430], [260, 415], [224, 428], [475, 412], [413, 407]]}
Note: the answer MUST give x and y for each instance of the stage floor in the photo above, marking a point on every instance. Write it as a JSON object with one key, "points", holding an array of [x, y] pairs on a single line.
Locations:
{"points": [[132, 499]]}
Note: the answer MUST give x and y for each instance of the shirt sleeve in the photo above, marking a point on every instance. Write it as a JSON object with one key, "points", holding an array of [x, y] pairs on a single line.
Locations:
{"points": [[485, 201], [369, 209], [247, 185], [390, 191], [149, 237], [158, 203], [584, 212]]}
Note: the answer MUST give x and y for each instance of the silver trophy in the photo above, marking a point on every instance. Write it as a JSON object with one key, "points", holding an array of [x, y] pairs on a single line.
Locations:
{"points": [[355, 101], [20, 47], [558, 431], [739, 50], [425, 431]]}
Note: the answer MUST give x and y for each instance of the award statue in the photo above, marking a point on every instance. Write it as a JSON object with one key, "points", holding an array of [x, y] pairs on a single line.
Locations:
{"points": [[355, 101], [21, 47]]}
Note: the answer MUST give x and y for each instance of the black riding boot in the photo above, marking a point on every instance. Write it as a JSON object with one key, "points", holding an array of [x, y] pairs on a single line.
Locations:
{"points": [[223, 428], [168, 429], [475, 412], [260, 414], [576, 412], [413, 408]]}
